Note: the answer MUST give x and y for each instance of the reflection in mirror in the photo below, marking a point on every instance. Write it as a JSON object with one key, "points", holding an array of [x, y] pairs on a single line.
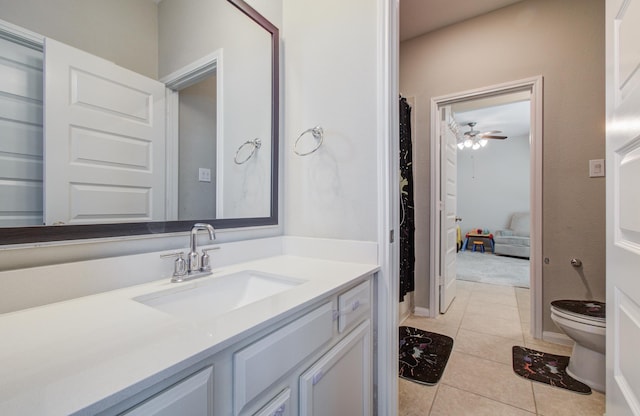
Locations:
{"points": [[208, 120]]}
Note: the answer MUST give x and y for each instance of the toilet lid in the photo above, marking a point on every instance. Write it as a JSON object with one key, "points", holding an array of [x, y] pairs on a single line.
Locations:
{"points": [[589, 309]]}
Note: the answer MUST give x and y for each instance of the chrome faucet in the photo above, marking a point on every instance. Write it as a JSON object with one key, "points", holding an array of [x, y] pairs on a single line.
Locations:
{"points": [[194, 266], [193, 258]]}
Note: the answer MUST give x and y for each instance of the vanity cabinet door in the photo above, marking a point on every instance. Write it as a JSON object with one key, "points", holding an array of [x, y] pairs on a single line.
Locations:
{"points": [[280, 406], [258, 366], [340, 382], [192, 396]]}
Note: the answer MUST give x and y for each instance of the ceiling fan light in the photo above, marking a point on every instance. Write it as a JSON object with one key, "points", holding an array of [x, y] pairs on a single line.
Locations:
{"points": [[483, 142], [460, 145], [468, 143], [476, 146]]}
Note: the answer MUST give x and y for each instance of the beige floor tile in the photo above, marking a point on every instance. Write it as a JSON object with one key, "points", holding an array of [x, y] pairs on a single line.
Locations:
{"points": [[489, 347], [451, 401], [497, 310], [491, 298], [550, 347], [494, 289], [554, 401], [490, 379], [506, 328], [414, 399]]}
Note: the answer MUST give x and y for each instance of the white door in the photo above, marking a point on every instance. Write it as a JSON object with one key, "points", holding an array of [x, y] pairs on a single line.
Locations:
{"points": [[623, 206], [340, 382], [448, 184], [104, 138]]}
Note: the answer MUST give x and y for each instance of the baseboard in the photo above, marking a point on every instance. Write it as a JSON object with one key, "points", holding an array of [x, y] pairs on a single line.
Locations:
{"points": [[556, 338], [419, 311]]}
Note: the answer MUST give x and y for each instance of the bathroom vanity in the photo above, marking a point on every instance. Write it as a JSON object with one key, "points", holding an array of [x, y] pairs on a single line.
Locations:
{"points": [[284, 335]]}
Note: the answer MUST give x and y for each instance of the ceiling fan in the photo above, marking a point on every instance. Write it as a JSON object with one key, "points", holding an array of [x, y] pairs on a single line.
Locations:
{"points": [[476, 139]]}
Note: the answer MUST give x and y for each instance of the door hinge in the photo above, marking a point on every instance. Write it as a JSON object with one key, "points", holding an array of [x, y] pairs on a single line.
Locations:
{"points": [[441, 280], [392, 236]]}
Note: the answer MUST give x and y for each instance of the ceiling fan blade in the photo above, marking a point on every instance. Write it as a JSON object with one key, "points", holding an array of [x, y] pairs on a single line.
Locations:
{"points": [[489, 136], [491, 132]]}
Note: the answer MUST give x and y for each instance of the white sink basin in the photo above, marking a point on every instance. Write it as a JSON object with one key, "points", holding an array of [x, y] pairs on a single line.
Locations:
{"points": [[202, 299]]}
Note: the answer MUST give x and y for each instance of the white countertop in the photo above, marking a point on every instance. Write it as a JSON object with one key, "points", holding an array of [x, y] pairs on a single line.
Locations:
{"points": [[60, 358]]}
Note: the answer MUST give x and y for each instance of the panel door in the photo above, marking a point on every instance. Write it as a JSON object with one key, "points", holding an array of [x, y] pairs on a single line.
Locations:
{"points": [[448, 192], [340, 382], [623, 206], [104, 140]]}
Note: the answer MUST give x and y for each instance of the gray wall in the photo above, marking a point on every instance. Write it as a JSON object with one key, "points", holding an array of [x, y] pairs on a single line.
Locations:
{"points": [[197, 150], [493, 183], [564, 42], [122, 31]]}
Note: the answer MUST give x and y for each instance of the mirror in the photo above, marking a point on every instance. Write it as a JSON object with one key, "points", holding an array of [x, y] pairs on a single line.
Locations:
{"points": [[245, 50]]}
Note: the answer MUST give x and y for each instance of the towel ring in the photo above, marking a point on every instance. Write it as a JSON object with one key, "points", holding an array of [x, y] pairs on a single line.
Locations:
{"points": [[317, 133], [255, 143]]}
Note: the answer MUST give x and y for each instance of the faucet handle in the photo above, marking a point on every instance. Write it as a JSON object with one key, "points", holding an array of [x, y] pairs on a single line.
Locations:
{"points": [[205, 262], [179, 266]]}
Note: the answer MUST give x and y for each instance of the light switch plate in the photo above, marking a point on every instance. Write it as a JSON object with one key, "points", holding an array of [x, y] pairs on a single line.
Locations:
{"points": [[596, 168], [204, 175]]}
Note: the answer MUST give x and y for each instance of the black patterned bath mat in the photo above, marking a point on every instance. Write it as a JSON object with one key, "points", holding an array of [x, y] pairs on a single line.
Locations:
{"points": [[546, 368], [423, 355]]}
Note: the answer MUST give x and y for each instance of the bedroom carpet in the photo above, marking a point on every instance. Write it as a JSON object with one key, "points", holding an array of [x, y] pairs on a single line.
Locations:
{"points": [[492, 269]]}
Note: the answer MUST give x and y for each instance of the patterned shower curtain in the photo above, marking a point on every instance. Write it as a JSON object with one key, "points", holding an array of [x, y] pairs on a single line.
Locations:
{"points": [[407, 224]]}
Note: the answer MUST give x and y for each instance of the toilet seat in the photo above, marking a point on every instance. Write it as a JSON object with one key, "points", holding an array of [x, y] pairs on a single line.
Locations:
{"points": [[587, 312], [582, 319]]}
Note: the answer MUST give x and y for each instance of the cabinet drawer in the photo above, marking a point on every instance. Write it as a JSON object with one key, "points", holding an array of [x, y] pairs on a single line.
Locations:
{"points": [[260, 364], [354, 305], [280, 406]]}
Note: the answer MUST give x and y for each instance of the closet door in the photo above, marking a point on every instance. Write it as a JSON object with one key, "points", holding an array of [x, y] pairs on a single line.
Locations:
{"points": [[104, 140], [340, 382], [20, 135]]}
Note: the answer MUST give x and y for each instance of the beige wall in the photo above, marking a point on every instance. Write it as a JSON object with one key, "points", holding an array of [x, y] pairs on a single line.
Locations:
{"points": [[564, 42], [121, 31]]}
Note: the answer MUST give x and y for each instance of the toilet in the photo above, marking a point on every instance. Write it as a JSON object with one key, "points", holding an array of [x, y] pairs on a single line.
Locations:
{"points": [[584, 322]]}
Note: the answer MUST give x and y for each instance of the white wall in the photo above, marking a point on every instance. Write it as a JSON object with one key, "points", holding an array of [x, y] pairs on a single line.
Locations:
{"points": [[493, 183], [192, 29], [330, 72]]}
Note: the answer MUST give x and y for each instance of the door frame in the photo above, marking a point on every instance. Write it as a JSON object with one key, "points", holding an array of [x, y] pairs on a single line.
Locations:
{"points": [[535, 86]]}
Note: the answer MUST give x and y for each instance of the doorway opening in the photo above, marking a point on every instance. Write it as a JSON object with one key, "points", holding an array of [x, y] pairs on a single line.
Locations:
{"points": [[447, 138]]}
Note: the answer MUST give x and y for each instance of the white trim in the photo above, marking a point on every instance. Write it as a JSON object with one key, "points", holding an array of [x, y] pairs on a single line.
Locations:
{"points": [[557, 338], [180, 79], [535, 85], [21, 35], [420, 311], [387, 285], [172, 99]]}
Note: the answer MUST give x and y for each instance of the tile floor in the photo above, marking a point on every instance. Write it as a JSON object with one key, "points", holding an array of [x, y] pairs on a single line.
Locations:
{"points": [[486, 321]]}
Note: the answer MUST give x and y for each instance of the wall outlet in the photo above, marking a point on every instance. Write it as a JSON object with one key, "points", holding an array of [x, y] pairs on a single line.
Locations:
{"points": [[204, 175], [596, 168]]}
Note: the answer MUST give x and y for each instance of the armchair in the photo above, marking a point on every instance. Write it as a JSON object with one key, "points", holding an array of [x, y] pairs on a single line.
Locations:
{"points": [[514, 241]]}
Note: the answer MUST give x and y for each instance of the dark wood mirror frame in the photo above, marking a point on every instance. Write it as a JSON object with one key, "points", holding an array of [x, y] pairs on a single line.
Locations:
{"points": [[40, 234]]}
